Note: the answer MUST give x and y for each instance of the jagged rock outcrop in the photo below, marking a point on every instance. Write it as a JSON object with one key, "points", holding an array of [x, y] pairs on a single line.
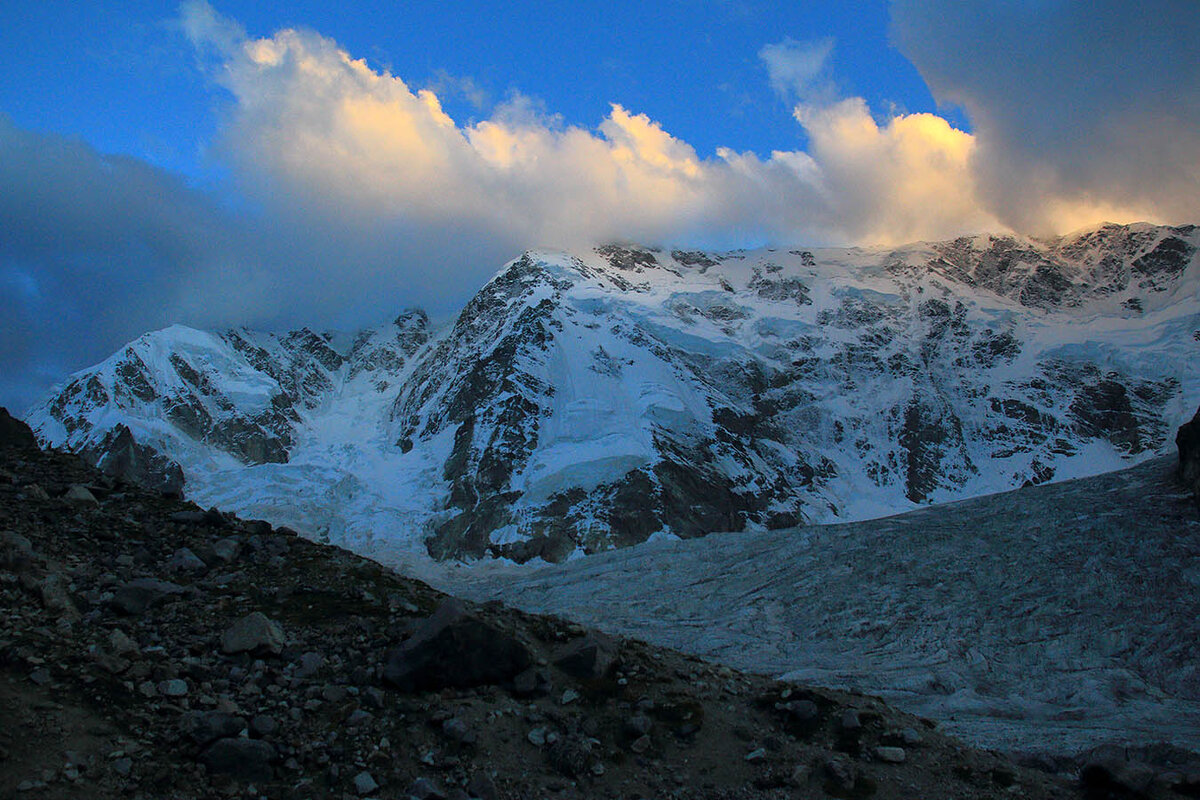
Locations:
{"points": [[15, 433], [594, 400], [120, 456]]}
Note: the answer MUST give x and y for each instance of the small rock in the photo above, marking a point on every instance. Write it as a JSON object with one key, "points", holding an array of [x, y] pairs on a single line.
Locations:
{"points": [[423, 789], [263, 725], [569, 696], [590, 657], [174, 687], [850, 720], [756, 755], [364, 784], [358, 718], [139, 595], [532, 682], [56, 597], [120, 643], [227, 549], [459, 731], [80, 494], [205, 727], [482, 786], [253, 632], [640, 744], [890, 755], [537, 737], [123, 766], [841, 772], [310, 664], [639, 725], [40, 676], [184, 560]]}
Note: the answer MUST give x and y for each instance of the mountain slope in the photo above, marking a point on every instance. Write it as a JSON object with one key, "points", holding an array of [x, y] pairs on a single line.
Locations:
{"points": [[587, 401]]}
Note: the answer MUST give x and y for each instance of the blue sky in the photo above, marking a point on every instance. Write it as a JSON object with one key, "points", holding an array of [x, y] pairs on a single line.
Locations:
{"points": [[125, 79], [274, 165]]}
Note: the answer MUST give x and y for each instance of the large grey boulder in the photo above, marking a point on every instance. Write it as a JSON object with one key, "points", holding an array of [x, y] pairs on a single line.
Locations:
{"points": [[253, 632], [455, 648]]}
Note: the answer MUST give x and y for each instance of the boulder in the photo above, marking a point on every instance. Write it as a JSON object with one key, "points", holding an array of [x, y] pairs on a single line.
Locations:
{"points": [[137, 596], [15, 433], [455, 649], [253, 632], [205, 727], [240, 758], [588, 658], [1188, 442]]}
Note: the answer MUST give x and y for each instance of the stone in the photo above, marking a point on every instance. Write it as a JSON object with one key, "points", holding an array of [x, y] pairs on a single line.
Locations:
{"points": [[638, 725], [424, 789], [137, 596], [841, 771], [640, 744], [802, 710], [120, 643], [14, 433], [533, 682], [263, 725], [16, 552], [184, 560], [482, 786], [56, 597], [589, 657], [359, 718], [891, 755], [364, 784], [310, 664], [243, 759], [253, 633], [455, 649], [458, 730], [173, 687], [205, 727], [227, 549], [850, 720], [758, 754], [80, 494]]}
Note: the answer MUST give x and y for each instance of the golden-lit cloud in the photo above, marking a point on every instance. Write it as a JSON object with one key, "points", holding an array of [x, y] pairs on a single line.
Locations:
{"points": [[316, 129]]}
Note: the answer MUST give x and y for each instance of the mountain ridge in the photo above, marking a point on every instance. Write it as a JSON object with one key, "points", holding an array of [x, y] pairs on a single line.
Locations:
{"points": [[584, 401]]}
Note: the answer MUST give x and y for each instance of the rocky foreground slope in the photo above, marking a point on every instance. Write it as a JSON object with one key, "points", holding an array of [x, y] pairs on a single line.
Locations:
{"points": [[593, 400], [149, 649]]}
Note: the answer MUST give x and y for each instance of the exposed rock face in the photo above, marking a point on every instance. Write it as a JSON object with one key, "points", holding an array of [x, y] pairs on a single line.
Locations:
{"points": [[590, 401], [1188, 442], [14, 432], [119, 456]]}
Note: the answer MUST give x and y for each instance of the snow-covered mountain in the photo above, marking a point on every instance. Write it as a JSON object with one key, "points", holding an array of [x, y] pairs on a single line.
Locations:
{"points": [[585, 401]]}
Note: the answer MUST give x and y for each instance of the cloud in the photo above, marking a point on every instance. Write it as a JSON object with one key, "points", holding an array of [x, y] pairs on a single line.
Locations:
{"points": [[93, 250], [352, 194], [1081, 112], [321, 134], [800, 71]]}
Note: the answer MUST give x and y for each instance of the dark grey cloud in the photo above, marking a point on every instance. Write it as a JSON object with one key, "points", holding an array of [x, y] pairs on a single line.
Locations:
{"points": [[92, 249], [1077, 108]]}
